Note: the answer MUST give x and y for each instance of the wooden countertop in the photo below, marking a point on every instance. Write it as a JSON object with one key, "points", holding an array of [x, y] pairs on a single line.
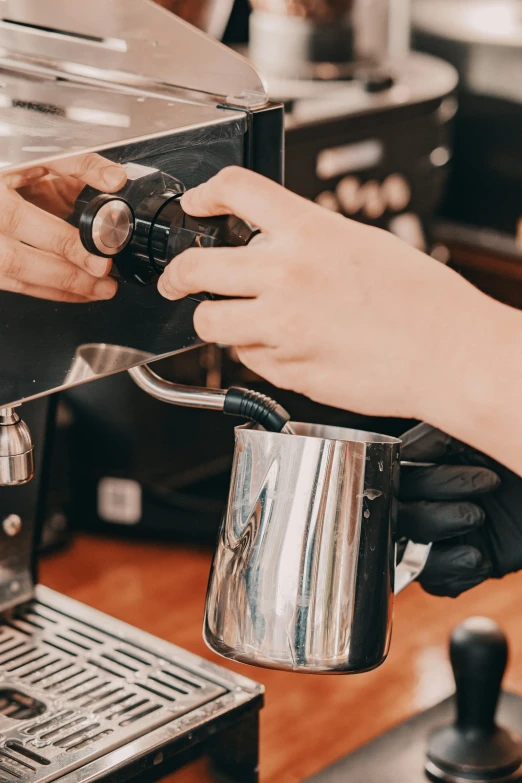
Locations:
{"points": [[308, 721]]}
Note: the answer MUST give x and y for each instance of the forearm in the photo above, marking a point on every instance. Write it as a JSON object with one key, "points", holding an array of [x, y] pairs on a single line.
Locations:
{"points": [[478, 393]]}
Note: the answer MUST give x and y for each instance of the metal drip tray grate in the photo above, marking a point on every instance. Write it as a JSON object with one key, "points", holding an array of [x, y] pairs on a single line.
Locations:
{"points": [[71, 692]]}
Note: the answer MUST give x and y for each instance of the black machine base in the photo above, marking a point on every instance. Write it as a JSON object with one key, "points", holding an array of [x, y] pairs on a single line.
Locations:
{"points": [[399, 755]]}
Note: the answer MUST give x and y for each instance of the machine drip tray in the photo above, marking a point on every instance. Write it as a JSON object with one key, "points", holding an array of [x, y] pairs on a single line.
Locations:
{"points": [[82, 692], [399, 755]]}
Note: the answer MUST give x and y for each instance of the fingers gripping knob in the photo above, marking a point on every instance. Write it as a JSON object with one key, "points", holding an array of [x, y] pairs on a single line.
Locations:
{"points": [[474, 748], [143, 226], [106, 225]]}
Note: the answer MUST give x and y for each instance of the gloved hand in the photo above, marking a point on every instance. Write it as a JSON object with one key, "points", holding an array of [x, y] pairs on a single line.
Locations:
{"points": [[467, 504]]}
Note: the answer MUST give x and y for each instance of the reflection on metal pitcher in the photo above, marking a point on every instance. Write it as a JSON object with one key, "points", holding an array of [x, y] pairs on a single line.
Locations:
{"points": [[303, 573]]}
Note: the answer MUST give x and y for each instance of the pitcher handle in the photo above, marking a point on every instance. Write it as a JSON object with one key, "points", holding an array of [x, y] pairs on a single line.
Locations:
{"points": [[411, 565]]}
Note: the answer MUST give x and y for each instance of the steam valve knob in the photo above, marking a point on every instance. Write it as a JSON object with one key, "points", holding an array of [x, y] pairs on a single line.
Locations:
{"points": [[474, 748], [173, 231]]}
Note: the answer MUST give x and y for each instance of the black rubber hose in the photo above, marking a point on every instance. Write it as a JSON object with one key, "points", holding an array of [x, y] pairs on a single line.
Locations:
{"points": [[256, 407]]}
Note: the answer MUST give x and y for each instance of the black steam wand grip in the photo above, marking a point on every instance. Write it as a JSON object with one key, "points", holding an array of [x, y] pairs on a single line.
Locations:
{"points": [[479, 655], [257, 407]]}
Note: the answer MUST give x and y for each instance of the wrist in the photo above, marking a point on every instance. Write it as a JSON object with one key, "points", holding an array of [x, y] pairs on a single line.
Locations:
{"points": [[479, 386]]}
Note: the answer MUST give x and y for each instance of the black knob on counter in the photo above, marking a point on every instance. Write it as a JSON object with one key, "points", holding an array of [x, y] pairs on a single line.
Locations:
{"points": [[475, 748]]}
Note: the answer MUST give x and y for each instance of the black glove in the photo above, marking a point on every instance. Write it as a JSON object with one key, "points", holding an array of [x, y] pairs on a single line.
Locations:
{"points": [[467, 504]]}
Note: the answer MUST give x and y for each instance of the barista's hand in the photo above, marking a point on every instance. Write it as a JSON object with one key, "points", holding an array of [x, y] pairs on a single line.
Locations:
{"points": [[51, 192], [352, 317], [344, 313], [468, 504], [40, 254]]}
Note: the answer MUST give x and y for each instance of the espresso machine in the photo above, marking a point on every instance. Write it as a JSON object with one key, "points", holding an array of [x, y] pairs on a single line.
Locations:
{"points": [[84, 697]]}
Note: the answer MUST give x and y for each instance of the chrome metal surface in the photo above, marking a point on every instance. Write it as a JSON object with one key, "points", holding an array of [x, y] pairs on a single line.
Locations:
{"points": [[177, 394], [411, 566], [16, 450], [303, 574], [95, 693], [125, 41], [17, 533], [434, 773], [483, 38], [112, 227], [100, 359], [185, 396], [43, 119], [16, 470]]}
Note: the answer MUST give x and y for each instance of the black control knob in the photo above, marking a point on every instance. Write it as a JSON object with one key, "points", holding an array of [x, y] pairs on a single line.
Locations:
{"points": [[173, 231], [144, 227], [474, 748]]}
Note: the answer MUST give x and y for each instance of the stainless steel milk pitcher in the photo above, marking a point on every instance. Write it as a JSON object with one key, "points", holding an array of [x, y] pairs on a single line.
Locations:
{"points": [[304, 570]]}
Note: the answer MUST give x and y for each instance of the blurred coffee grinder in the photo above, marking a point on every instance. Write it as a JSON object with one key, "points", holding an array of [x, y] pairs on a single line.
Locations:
{"points": [[328, 39], [368, 121]]}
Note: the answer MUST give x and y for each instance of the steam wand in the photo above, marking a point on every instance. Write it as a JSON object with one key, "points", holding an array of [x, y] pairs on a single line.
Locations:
{"points": [[245, 403]]}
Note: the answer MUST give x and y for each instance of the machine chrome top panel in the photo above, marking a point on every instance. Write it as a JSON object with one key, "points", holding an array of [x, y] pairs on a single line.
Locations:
{"points": [[43, 119], [133, 41], [74, 77]]}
